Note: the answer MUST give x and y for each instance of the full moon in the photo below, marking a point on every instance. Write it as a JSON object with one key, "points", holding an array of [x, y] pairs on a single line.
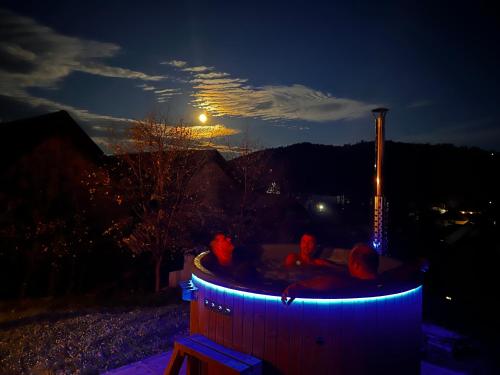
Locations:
{"points": [[202, 118]]}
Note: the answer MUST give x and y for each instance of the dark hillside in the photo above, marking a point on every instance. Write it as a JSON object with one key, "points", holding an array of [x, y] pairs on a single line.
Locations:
{"points": [[414, 173]]}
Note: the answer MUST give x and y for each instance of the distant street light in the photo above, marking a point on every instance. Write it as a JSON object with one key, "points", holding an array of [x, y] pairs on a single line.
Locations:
{"points": [[321, 207]]}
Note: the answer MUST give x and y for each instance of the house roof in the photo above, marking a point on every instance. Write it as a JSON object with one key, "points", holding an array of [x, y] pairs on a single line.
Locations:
{"points": [[22, 136]]}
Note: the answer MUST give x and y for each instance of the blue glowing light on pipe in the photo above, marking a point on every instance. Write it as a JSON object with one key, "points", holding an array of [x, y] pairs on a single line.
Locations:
{"points": [[267, 297]]}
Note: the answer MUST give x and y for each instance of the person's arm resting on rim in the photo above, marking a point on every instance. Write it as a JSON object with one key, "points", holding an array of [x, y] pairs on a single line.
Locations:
{"points": [[315, 284]]}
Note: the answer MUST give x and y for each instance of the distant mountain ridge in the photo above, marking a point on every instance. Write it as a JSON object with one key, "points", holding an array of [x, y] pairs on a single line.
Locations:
{"points": [[412, 172]]}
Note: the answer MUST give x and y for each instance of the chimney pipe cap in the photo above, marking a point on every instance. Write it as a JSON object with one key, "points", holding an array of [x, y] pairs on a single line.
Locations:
{"points": [[380, 110]]}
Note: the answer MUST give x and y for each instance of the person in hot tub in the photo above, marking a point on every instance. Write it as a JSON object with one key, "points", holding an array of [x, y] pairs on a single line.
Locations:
{"points": [[305, 256], [222, 247], [363, 268], [237, 264]]}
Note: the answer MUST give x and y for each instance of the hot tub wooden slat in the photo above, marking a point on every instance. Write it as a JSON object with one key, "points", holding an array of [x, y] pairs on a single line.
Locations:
{"points": [[219, 332], [270, 331], [345, 338], [237, 320], [202, 313], [228, 321], [370, 324], [324, 353], [295, 310], [307, 347], [391, 329], [208, 295], [333, 334], [321, 340], [248, 325], [259, 327], [212, 328], [283, 339], [356, 333], [362, 331], [193, 317]]}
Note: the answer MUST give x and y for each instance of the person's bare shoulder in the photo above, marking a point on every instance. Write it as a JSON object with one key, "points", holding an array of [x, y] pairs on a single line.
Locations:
{"points": [[291, 259]]}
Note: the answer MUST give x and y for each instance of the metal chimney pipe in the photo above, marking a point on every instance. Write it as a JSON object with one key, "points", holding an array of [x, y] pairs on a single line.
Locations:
{"points": [[378, 241]]}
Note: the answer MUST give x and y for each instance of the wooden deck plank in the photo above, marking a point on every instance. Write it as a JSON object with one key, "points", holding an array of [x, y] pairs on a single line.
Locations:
{"points": [[207, 354], [242, 357], [175, 363]]}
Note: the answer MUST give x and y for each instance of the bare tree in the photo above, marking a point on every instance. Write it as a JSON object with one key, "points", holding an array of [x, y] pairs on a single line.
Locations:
{"points": [[250, 170], [154, 167]]}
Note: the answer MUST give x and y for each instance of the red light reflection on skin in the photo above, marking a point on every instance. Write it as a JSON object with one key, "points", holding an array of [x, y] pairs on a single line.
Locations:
{"points": [[223, 248], [305, 255], [362, 264]]}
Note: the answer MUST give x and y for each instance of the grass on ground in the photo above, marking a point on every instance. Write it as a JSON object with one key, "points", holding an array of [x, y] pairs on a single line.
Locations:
{"points": [[87, 335]]}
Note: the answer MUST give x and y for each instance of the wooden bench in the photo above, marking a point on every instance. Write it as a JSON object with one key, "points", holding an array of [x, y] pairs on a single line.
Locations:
{"points": [[205, 357]]}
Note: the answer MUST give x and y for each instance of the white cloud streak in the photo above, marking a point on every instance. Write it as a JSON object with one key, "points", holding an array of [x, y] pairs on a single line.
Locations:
{"points": [[211, 75], [164, 91], [212, 131], [146, 87], [233, 97], [115, 72], [223, 95], [174, 63], [33, 55], [198, 69]]}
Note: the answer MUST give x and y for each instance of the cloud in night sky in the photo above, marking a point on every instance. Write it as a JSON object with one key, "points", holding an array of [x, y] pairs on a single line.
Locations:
{"points": [[211, 75], [223, 95], [198, 69], [212, 131], [111, 71], [175, 63], [164, 94], [146, 87], [183, 65], [35, 56]]}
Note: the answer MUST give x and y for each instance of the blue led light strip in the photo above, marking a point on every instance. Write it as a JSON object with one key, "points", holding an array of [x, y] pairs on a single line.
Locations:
{"points": [[267, 297]]}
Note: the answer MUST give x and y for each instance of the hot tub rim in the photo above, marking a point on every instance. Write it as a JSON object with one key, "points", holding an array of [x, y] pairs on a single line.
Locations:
{"points": [[259, 291]]}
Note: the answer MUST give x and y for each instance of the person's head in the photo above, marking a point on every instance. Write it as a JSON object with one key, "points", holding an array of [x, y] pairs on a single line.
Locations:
{"points": [[222, 247], [363, 262], [307, 244]]}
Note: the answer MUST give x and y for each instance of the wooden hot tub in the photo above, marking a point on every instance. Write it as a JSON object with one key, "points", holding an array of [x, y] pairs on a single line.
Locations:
{"points": [[375, 330]]}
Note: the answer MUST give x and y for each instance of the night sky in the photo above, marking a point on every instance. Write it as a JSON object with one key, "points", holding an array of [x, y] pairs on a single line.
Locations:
{"points": [[288, 72]]}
